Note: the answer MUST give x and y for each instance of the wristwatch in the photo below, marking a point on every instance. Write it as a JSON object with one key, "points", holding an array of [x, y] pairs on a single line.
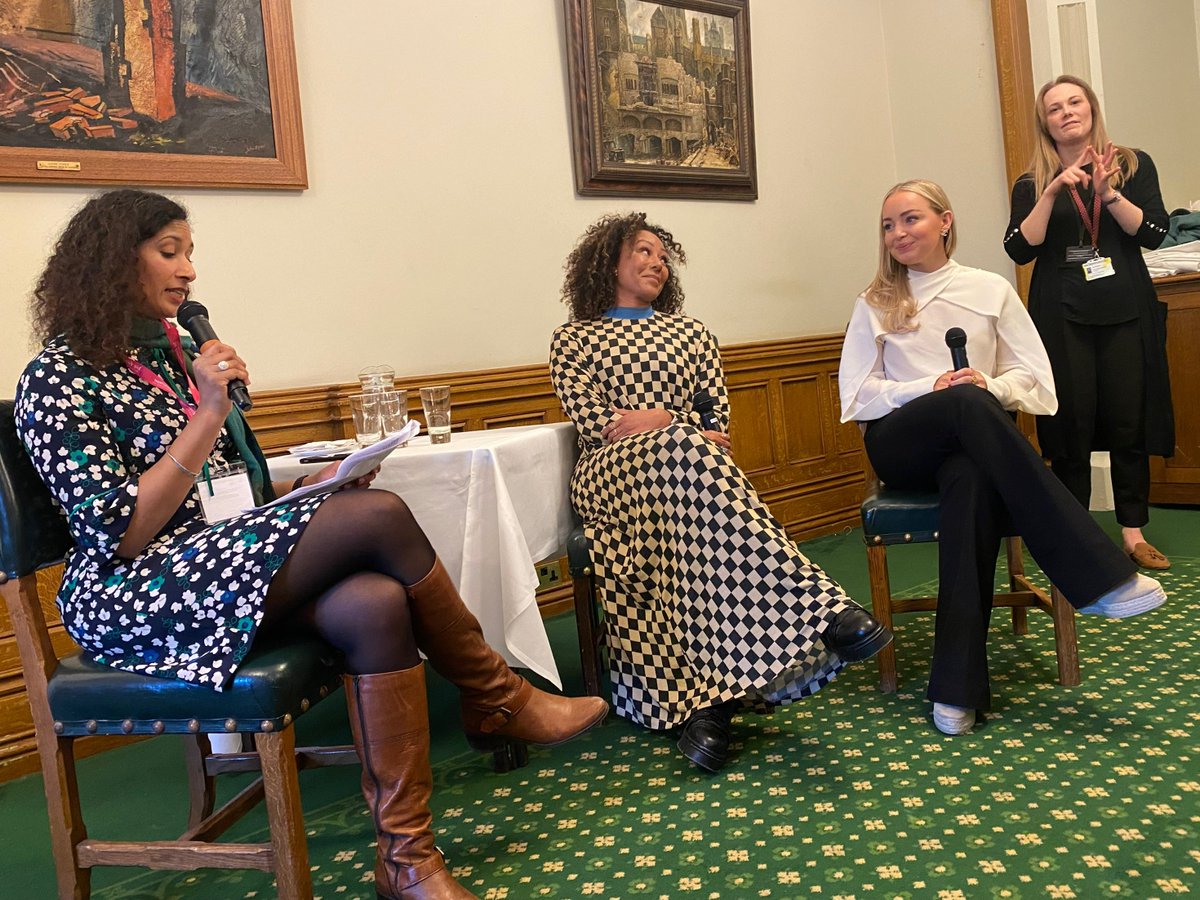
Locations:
{"points": [[1115, 198]]}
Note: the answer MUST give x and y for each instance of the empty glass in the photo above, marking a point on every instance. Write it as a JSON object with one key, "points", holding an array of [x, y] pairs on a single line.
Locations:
{"points": [[436, 402], [393, 411], [368, 425], [377, 378]]}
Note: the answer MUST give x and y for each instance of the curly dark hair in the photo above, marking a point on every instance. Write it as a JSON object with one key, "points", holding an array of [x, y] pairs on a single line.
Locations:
{"points": [[590, 286], [89, 291]]}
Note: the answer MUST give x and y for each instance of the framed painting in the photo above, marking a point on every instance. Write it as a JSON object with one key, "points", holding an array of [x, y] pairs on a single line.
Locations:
{"points": [[660, 98], [159, 92]]}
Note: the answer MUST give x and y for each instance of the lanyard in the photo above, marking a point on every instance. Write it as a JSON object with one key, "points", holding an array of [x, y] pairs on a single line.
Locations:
{"points": [[1093, 224], [155, 380]]}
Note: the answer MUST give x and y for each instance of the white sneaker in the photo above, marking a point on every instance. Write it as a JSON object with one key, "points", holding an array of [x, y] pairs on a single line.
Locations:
{"points": [[1132, 597], [953, 719]]}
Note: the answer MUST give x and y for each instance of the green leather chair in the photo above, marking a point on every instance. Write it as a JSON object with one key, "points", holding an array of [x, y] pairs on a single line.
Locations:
{"points": [[73, 697], [891, 517]]}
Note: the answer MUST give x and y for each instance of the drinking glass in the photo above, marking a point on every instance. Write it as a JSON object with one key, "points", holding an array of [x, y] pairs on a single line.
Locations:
{"points": [[368, 425], [436, 402], [377, 378], [393, 411]]}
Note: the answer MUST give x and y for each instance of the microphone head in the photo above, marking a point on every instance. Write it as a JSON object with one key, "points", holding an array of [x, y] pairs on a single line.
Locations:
{"points": [[702, 402], [956, 337], [187, 311]]}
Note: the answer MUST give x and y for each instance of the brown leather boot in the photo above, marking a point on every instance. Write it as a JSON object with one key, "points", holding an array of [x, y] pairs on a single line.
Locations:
{"points": [[390, 720], [497, 704]]}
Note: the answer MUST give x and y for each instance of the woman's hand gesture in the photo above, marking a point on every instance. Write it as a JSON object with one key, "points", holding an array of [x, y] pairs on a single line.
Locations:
{"points": [[1102, 168], [216, 366], [1072, 176]]}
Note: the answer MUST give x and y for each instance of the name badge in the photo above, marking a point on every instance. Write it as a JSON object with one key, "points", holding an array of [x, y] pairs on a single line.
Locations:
{"points": [[1100, 267], [224, 493], [1082, 253]]}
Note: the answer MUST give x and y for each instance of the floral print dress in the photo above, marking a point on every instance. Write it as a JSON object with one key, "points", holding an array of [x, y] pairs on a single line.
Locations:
{"points": [[189, 605]]}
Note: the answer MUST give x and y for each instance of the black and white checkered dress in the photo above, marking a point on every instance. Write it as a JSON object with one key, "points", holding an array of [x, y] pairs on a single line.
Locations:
{"points": [[705, 597]]}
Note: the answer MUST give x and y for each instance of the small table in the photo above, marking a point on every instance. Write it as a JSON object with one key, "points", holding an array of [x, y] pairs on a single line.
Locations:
{"points": [[493, 504]]}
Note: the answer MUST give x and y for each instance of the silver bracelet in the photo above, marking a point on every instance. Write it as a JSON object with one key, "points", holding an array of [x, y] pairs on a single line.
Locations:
{"points": [[181, 466]]}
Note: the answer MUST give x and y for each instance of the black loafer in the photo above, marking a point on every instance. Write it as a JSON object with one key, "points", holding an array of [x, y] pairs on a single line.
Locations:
{"points": [[854, 634], [705, 736]]}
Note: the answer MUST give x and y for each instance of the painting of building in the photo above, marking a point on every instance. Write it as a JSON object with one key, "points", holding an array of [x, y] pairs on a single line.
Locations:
{"points": [[669, 85], [168, 76]]}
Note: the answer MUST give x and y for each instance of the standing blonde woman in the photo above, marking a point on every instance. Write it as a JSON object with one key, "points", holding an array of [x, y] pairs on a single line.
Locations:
{"points": [[928, 427], [1082, 213]]}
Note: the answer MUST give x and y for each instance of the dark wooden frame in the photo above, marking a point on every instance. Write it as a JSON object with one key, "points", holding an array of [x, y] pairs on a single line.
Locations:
{"points": [[595, 176], [287, 169]]}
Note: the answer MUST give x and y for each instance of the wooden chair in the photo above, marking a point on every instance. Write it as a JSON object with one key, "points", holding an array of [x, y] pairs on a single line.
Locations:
{"points": [[906, 517], [74, 697], [587, 615]]}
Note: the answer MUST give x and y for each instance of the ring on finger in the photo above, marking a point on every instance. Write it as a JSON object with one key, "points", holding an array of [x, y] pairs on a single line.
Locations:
{"points": [[223, 365]]}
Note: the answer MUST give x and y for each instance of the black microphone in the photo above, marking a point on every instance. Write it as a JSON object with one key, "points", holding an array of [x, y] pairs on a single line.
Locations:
{"points": [[703, 404], [194, 317], [956, 340]]}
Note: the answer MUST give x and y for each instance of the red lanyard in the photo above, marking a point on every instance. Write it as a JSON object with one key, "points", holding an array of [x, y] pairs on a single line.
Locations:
{"points": [[1093, 224], [155, 380]]}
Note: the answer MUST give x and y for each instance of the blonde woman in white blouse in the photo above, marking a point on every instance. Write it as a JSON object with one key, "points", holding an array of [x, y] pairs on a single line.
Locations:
{"points": [[930, 426]]}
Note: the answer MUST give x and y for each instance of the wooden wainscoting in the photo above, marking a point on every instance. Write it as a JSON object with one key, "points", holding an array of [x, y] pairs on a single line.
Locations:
{"points": [[785, 434]]}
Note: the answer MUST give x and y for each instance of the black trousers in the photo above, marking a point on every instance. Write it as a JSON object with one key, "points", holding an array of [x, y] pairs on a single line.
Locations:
{"points": [[991, 483], [1108, 391]]}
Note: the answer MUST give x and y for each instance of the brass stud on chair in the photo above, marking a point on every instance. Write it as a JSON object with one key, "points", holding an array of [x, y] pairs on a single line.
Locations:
{"points": [[231, 725], [304, 704], [91, 726], [127, 726], [58, 728], [158, 727], [194, 726], [878, 539], [287, 719], [907, 538], [936, 535], [323, 692], [267, 725]]}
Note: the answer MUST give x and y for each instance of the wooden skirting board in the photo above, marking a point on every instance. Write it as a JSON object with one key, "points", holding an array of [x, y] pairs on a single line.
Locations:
{"points": [[785, 433]]}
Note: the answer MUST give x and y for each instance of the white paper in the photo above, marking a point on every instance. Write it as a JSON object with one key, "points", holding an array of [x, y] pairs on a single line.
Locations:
{"points": [[356, 465]]}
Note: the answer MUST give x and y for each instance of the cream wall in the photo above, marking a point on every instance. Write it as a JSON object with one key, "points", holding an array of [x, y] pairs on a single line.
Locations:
{"points": [[442, 201]]}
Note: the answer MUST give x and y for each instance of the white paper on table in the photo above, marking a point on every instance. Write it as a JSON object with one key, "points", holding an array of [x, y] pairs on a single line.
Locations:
{"points": [[356, 465]]}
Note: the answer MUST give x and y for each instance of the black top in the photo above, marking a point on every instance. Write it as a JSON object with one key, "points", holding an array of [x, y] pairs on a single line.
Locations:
{"points": [[1058, 291]]}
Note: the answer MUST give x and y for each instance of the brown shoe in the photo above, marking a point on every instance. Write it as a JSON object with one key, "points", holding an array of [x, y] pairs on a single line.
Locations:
{"points": [[1148, 557], [389, 717], [497, 704]]}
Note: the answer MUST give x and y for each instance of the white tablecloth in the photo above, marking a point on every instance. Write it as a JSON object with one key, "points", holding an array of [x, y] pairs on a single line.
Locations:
{"points": [[493, 503]]}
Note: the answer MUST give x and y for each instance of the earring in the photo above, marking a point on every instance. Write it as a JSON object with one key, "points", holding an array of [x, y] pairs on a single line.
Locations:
{"points": [[946, 233]]}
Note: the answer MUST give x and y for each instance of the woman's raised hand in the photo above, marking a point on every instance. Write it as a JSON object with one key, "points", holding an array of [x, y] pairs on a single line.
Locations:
{"points": [[216, 366], [1102, 167], [1072, 176]]}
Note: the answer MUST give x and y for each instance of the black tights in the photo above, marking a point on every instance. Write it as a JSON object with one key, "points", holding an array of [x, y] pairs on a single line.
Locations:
{"points": [[346, 576]]}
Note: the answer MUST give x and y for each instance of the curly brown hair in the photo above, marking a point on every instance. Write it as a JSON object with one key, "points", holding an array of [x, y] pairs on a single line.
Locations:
{"points": [[89, 291], [590, 286]]}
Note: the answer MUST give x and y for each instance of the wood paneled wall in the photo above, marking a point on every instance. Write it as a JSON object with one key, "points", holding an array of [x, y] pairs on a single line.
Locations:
{"points": [[785, 435]]}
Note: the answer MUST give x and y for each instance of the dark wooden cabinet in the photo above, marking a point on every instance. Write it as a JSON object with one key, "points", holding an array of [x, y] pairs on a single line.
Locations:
{"points": [[1177, 480]]}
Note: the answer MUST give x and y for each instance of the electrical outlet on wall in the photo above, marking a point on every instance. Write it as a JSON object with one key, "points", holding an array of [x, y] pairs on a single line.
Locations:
{"points": [[550, 574]]}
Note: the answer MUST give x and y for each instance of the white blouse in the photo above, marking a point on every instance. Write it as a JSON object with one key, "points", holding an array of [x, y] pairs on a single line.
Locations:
{"points": [[881, 371]]}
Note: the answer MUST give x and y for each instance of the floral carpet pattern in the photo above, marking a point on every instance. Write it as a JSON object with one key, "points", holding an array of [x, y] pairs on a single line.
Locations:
{"points": [[1084, 792]]}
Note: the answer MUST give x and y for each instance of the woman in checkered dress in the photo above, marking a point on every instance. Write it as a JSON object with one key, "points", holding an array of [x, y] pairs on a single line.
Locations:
{"points": [[708, 604]]}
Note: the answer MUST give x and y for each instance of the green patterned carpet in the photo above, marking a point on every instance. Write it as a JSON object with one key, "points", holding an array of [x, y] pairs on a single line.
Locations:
{"points": [[1084, 792]]}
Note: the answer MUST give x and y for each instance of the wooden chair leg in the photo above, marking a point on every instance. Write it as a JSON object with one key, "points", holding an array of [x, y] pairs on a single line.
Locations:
{"points": [[587, 625], [1066, 642], [67, 829], [281, 782], [881, 605], [202, 787], [1016, 570]]}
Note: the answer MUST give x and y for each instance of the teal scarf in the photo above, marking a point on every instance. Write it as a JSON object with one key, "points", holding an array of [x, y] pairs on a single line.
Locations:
{"points": [[149, 333]]}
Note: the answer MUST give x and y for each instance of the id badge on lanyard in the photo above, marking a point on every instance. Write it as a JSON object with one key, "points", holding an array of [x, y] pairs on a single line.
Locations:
{"points": [[1093, 264], [224, 492]]}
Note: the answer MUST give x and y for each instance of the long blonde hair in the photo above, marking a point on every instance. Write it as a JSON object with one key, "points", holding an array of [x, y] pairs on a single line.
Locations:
{"points": [[889, 291], [1046, 164]]}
